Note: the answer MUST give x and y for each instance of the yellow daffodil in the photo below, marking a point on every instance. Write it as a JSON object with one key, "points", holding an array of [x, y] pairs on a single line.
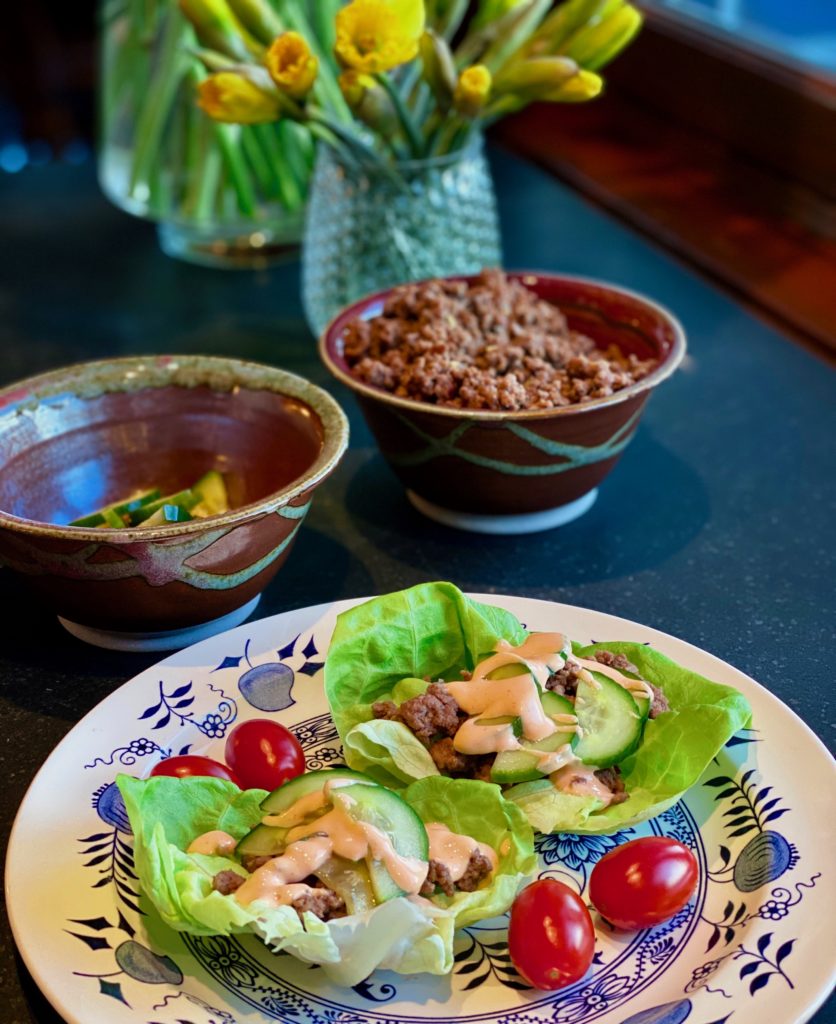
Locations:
{"points": [[583, 86], [227, 96], [291, 64], [376, 35], [472, 90]]}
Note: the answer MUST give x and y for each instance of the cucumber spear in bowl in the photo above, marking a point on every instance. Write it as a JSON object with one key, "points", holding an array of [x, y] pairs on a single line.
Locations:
{"points": [[331, 867]]}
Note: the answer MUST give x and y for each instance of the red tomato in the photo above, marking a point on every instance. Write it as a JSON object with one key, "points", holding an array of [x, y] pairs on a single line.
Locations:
{"points": [[551, 937], [643, 882], [263, 754], [188, 765]]}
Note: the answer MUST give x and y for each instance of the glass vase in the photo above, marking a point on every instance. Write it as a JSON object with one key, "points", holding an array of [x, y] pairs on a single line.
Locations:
{"points": [[221, 194], [368, 229]]}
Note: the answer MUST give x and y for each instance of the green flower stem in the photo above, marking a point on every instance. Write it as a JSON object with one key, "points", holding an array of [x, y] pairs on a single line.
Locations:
{"points": [[413, 136], [236, 169], [257, 159], [159, 99], [285, 182]]}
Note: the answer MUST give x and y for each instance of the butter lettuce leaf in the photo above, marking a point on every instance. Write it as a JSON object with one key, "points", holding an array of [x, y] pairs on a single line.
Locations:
{"points": [[478, 809], [407, 934], [429, 630], [379, 643]]}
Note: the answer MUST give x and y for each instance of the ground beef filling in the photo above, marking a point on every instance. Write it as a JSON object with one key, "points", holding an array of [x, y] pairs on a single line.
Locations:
{"points": [[438, 876], [491, 344], [324, 903], [611, 778]]}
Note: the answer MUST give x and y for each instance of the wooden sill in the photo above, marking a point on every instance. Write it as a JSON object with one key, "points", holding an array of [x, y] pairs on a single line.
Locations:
{"points": [[740, 222]]}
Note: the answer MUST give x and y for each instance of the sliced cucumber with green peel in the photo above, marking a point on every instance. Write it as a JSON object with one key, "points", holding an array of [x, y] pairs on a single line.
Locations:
{"points": [[212, 495], [513, 766], [115, 515], [610, 719], [643, 704], [186, 499], [392, 816], [270, 840], [514, 721], [286, 795], [554, 704], [168, 514], [516, 668]]}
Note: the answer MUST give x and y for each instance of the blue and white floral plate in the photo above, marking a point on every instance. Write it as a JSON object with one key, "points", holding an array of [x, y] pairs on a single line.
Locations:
{"points": [[755, 945]]}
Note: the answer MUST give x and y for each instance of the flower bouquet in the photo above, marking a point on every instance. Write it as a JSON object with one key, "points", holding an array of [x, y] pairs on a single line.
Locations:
{"points": [[399, 92]]}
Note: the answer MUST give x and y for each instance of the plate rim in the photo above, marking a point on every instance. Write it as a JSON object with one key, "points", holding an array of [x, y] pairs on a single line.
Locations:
{"points": [[52, 992]]}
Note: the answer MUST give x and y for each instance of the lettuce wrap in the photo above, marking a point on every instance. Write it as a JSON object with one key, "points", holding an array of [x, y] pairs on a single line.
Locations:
{"points": [[407, 935], [386, 648]]}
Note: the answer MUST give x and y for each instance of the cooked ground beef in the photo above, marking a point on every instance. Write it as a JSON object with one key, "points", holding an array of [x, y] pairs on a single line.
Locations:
{"points": [[618, 661], [226, 882], [659, 703], [565, 681], [438, 876], [429, 715], [491, 344], [323, 903], [611, 777], [252, 862], [478, 867]]}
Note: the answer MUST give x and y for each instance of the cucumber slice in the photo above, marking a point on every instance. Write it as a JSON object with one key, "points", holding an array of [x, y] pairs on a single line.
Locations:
{"points": [[610, 720], [167, 514], [516, 668], [514, 721], [184, 499], [394, 818], [513, 766], [270, 840], [287, 794], [408, 688], [262, 841], [120, 510], [554, 704], [212, 494], [643, 704]]}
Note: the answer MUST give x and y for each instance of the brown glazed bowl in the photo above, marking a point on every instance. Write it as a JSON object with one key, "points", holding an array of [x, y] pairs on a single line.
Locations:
{"points": [[79, 438], [516, 472]]}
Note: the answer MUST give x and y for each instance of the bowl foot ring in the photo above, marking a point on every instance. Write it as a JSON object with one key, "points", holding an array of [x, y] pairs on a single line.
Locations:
{"points": [[525, 522], [166, 640]]}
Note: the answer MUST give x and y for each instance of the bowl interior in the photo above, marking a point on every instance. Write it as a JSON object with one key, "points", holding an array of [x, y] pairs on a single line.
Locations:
{"points": [[70, 455], [606, 314]]}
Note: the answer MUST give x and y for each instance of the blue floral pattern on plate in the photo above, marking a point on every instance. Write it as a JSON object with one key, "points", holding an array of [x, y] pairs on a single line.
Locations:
{"points": [[736, 940]]}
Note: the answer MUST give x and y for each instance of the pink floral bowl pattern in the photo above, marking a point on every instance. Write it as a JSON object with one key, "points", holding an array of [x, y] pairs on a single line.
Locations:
{"points": [[78, 438]]}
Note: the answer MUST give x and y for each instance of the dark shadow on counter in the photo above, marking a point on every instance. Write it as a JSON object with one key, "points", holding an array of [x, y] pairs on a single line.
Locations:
{"points": [[650, 507]]}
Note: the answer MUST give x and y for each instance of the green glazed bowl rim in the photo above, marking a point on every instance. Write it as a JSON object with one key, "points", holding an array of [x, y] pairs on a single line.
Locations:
{"points": [[668, 363], [139, 373]]}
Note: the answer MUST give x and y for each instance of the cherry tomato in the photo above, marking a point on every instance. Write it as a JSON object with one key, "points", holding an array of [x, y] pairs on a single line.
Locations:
{"points": [[187, 765], [263, 754], [643, 882], [551, 937]]}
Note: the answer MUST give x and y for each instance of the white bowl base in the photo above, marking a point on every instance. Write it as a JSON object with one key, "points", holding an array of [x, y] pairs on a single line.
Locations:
{"points": [[525, 522]]}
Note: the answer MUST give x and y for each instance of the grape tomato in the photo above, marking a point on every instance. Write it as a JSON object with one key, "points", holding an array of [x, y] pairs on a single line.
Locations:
{"points": [[187, 766], [551, 938], [264, 754]]}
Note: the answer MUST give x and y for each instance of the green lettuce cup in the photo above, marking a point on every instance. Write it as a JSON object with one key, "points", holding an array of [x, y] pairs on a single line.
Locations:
{"points": [[408, 935], [386, 649]]}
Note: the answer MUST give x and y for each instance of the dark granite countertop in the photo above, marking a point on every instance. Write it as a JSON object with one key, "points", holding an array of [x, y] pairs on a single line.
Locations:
{"points": [[717, 525]]}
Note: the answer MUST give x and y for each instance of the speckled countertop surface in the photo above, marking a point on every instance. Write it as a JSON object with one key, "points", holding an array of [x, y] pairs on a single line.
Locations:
{"points": [[717, 525]]}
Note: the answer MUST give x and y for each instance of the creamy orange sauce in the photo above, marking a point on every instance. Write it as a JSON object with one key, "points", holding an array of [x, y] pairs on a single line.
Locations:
{"points": [[541, 653], [473, 738], [453, 850], [551, 760], [580, 780], [636, 687], [309, 804], [214, 844], [310, 845]]}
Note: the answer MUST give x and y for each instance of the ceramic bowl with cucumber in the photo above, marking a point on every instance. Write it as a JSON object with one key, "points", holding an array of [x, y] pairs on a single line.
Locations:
{"points": [[149, 501]]}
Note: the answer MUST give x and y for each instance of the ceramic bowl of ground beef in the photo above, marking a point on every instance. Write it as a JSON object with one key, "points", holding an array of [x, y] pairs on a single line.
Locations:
{"points": [[502, 400]]}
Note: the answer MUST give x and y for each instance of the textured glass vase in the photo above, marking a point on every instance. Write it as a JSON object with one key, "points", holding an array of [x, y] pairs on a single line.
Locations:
{"points": [[221, 194], [367, 230]]}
